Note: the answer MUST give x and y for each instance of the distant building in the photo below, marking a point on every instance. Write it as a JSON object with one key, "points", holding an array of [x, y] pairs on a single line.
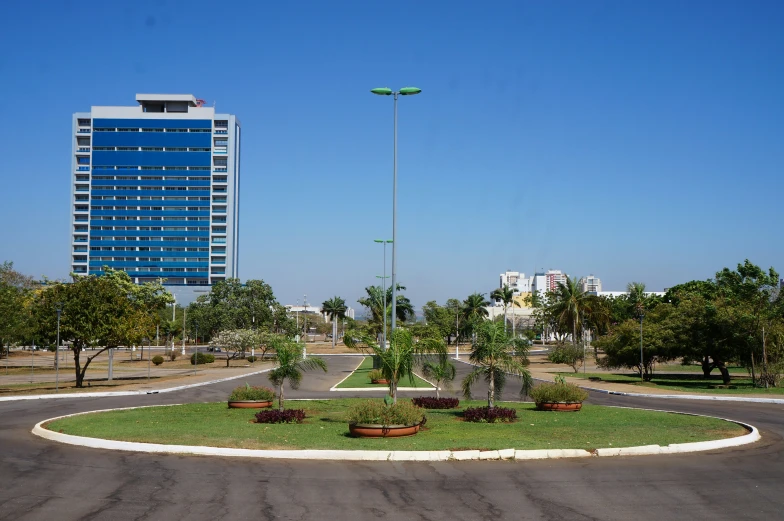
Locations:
{"points": [[315, 310], [591, 284], [515, 280]]}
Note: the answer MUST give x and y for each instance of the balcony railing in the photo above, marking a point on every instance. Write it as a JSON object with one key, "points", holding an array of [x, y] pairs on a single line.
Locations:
{"points": [[83, 131], [219, 240], [217, 131]]}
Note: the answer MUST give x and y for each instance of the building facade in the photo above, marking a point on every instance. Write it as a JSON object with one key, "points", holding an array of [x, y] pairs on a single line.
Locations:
{"points": [[553, 277], [155, 192], [515, 280], [591, 284]]}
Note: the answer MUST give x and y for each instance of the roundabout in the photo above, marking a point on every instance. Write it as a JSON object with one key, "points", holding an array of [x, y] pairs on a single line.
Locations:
{"points": [[45, 480]]}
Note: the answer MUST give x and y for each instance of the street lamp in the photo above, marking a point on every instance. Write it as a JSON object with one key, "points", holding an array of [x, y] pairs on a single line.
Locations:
{"points": [[59, 309], [642, 366], [384, 287], [385, 91]]}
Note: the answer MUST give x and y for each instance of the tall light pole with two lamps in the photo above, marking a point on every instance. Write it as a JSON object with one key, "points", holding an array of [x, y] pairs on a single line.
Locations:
{"points": [[385, 91]]}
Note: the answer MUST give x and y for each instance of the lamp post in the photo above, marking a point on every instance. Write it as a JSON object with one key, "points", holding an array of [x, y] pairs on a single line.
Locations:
{"points": [[183, 331], [642, 366], [385, 91], [384, 287], [59, 309]]}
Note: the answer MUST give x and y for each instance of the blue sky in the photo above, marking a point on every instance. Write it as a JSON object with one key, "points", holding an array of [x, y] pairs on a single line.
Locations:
{"points": [[630, 140]]}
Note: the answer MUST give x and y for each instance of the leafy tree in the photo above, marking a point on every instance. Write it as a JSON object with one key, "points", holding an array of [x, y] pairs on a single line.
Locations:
{"points": [[336, 309], [506, 296], [236, 342], [290, 364], [104, 311], [495, 354], [399, 359], [441, 371], [16, 291], [570, 355]]}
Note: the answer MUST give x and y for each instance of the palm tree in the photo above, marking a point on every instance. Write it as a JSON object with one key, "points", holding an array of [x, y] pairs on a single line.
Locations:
{"points": [[637, 296], [506, 296], [443, 371], [336, 309], [570, 304], [399, 359], [374, 302], [474, 310], [495, 354], [290, 364]]}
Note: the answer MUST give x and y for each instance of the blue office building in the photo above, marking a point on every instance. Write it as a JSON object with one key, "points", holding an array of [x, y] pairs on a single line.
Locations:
{"points": [[155, 192]]}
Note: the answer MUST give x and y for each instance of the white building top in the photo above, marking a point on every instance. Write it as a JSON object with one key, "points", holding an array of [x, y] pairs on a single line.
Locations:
{"points": [[190, 99]]}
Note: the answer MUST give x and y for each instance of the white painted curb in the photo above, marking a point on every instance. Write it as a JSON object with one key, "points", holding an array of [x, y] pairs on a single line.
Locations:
{"points": [[689, 396], [380, 455], [129, 393]]}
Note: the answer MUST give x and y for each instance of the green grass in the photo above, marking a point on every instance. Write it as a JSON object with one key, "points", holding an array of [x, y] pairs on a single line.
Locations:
{"points": [[359, 379], [696, 368], [681, 382], [215, 425]]}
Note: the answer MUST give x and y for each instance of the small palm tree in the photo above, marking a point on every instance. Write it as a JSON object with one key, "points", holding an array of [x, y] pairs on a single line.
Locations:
{"points": [[374, 302], [443, 371], [637, 296], [336, 309], [495, 354], [399, 359], [570, 304], [290, 364], [474, 310], [506, 296]]}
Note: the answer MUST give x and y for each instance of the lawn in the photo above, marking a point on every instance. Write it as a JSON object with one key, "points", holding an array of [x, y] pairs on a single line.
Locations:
{"points": [[359, 379], [681, 382], [215, 425]]}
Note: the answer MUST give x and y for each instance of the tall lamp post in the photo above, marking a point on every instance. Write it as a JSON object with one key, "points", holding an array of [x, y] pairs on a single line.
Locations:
{"points": [[642, 366], [384, 287], [59, 309], [385, 91]]}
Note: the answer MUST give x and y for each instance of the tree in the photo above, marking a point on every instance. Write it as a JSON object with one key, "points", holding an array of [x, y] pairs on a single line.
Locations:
{"points": [[236, 342], [570, 304], [506, 296], [570, 355], [104, 311], [336, 309], [399, 359], [290, 364], [441, 371], [474, 311], [16, 291], [374, 302], [495, 354]]}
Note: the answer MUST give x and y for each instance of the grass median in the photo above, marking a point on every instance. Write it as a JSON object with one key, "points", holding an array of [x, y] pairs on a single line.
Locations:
{"points": [[359, 379], [215, 425]]}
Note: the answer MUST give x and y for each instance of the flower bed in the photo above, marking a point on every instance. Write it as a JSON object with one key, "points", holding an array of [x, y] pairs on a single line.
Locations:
{"points": [[429, 402], [489, 415]]}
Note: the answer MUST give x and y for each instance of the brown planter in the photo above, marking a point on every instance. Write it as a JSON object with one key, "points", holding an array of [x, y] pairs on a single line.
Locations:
{"points": [[380, 381], [367, 430], [249, 404], [559, 406]]}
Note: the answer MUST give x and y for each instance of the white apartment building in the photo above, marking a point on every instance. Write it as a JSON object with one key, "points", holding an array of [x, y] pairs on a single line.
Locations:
{"points": [[591, 284]]}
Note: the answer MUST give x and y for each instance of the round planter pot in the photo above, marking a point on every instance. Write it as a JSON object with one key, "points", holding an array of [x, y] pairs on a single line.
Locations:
{"points": [[249, 404], [369, 430], [380, 381], [559, 406]]}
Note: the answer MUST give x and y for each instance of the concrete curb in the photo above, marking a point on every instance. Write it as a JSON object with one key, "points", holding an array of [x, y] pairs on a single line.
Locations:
{"points": [[687, 396], [381, 455], [129, 393]]}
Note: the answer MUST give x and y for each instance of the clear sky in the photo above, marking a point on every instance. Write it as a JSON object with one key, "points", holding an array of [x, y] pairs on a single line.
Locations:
{"points": [[636, 141]]}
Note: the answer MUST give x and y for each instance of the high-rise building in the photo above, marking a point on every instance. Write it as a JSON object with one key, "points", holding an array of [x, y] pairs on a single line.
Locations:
{"points": [[155, 192], [553, 277], [591, 284], [516, 280]]}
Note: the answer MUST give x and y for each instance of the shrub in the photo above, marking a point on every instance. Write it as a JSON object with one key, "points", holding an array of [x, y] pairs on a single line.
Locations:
{"points": [[570, 355], [376, 412], [428, 402], [277, 416], [248, 393], [251, 359], [173, 355], [558, 392], [157, 359], [375, 374], [204, 358], [489, 415]]}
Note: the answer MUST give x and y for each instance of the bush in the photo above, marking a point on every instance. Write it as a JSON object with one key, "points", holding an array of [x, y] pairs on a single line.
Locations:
{"points": [[251, 359], [204, 358], [157, 359], [173, 355], [488, 415], [375, 374], [558, 392], [284, 416], [428, 402], [376, 412], [570, 355], [248, 393]]}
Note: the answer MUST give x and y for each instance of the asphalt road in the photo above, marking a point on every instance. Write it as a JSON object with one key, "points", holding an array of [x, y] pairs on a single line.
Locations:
{"points": [[43, 480]]}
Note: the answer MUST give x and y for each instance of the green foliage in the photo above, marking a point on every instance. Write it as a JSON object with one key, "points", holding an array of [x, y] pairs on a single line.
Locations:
{"points": [[157, 359], [494, 353], [336, 309], [254, 394], [290, 364], [442, 371], [560, 391], [376, 412], [568, 354], [374, 302], [375, 374], [474, 312], [236, 342], [16, 293], [202, 358], [251, 359]]}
